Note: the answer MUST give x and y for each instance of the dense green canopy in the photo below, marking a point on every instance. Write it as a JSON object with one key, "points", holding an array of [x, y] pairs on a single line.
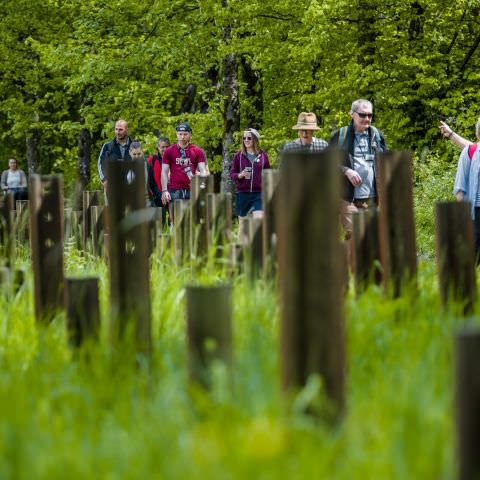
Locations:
{"points": [[69, 69]]}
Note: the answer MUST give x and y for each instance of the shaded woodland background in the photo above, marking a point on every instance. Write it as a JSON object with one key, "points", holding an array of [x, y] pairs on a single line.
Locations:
{"points": [[69, 69]]}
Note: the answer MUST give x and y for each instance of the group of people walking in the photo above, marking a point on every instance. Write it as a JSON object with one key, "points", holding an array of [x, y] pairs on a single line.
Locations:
{"points": [[170, 170], [172, 167]]}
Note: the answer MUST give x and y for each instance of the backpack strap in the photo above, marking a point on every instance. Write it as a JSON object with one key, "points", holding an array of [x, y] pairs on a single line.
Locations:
{"points": [[472, 148], [342, 135], [376, 135]]}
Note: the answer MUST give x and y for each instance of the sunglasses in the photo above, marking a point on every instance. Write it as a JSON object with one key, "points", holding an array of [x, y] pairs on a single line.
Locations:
{"points": [[247, 138], [364, 115]]}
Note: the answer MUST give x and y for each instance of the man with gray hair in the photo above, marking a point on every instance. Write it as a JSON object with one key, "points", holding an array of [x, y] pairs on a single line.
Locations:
{"points": [[361, 142]]}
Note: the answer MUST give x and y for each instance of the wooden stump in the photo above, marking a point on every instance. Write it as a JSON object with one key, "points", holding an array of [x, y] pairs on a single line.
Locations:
{"points": [[46, 230], [311, 275], [455, 254], [396, 222], [209, 330], [128, 254]]}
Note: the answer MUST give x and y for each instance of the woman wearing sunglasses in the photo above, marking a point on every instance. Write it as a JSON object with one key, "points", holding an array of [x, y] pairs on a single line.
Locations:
{"points": [[247, 166]]}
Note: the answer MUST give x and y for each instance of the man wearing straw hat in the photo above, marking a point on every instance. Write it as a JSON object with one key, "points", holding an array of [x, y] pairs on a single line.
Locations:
{"points": [[306, 126]]}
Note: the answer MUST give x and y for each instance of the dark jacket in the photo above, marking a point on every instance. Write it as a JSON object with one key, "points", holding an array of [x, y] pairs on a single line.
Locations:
{"points": [[110, 152], [254, 183], [154, 183], [376, 143]]}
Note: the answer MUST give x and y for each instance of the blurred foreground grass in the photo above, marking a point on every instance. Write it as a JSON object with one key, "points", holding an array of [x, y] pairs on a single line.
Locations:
{"points": [[73, 416]]}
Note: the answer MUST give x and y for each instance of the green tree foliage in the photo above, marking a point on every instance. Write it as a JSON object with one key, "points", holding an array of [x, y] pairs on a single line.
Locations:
{"points": [[68, 65]]}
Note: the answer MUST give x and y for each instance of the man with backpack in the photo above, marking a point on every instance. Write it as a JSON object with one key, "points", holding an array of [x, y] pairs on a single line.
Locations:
{"points": [[114, 150], [361, 142]]}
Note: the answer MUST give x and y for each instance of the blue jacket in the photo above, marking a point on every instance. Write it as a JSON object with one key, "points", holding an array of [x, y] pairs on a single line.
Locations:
{"points": [[466, 179]]}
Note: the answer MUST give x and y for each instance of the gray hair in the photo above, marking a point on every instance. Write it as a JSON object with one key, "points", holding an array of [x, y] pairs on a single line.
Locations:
{"points": [[477, 129], [360, 101]]}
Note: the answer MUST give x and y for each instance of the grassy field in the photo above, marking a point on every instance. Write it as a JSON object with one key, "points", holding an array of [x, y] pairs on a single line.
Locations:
{"points": [[100, 416]]}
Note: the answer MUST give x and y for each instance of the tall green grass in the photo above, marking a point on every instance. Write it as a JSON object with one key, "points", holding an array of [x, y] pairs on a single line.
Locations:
{"points": [[98, 414]]}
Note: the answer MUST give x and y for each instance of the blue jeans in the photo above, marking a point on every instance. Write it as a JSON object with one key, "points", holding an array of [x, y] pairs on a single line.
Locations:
{"points": [[179, 194], [248, 201]]}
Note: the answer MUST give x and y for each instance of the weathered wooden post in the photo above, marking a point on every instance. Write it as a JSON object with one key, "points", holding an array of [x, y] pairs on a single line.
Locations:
{"points": [[270, 179], [18, 279], [219, 221], [155, 226], [76, 228], [209, 329], [83, 310], [366, 248], [6, 229], [128, 254], [67, 223], [181, 230], [90, 198], [96, 228], [396, 222], [455, 253], [23, 235], [199, 187], [468, 402], [250, 230], [46, 232], [311, 274]]}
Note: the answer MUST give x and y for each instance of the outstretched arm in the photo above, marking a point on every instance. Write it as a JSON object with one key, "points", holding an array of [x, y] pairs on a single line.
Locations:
{"points": [[447, 132]]}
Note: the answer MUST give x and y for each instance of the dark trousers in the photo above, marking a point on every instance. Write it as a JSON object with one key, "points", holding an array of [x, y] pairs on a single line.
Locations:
{"points": [[476, 233]]}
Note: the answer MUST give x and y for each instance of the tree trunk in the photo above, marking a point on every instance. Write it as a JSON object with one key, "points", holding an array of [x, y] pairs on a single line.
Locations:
{"points": [[231, 111], [231, 117], [254, 92], [83, 165], [367, 32], [33, 150]]}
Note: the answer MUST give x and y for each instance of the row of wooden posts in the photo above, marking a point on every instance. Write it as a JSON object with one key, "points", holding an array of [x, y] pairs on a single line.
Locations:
{"points": [[300, 231]]}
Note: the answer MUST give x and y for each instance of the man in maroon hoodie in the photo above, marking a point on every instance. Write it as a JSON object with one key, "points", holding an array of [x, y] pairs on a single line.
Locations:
{"points": [[181, 161]]}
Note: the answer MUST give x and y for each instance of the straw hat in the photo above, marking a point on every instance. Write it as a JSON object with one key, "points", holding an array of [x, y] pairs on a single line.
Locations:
{"points": [[306, 121]]}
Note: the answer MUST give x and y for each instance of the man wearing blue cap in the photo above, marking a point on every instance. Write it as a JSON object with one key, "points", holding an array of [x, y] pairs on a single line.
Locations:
{"points": [[180, 163]]}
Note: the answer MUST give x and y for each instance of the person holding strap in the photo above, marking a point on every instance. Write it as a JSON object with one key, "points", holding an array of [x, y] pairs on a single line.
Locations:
{"points": [[360, 142], [247, 167]]}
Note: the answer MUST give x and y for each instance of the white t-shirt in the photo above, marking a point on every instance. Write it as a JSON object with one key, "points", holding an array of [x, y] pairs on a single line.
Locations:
{"points": [[363, 165]]}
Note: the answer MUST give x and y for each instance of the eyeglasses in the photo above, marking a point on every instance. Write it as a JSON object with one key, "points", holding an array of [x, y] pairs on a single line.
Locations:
{"points": [[247, 138], [364, 115]]}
